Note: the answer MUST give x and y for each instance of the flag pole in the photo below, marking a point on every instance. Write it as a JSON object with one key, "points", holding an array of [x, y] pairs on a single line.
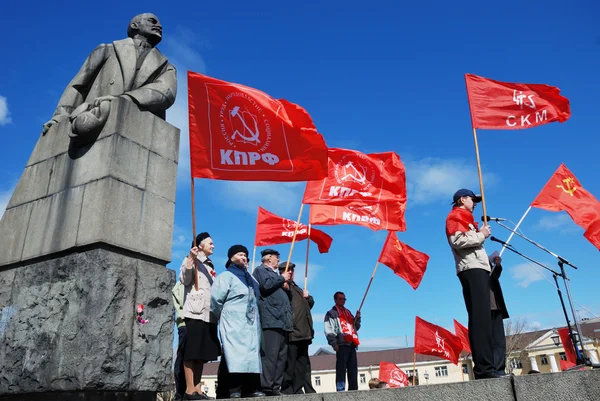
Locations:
{"points": [[513, 232], [253, 258], [368, 286], [485, 222], [287, 265], [195, 261], [307, 251], [462, 370], [414, 367]]}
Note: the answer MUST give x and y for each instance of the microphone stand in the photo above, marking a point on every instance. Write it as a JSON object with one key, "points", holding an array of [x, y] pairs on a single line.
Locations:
{"points": [[561, 262]]}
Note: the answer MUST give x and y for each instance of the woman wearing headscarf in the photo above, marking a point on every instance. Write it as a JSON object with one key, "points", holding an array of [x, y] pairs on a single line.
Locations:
{"points": [[201, 342], [234, 302]]}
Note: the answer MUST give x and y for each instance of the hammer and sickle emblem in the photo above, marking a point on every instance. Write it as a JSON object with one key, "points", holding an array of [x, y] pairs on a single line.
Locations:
{"points": [[398, 246], [569, 189]]}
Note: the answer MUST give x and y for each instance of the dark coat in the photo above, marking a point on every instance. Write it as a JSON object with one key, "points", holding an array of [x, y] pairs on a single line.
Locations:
{"points": [[497, 290], [274, 303], [301, 316]]}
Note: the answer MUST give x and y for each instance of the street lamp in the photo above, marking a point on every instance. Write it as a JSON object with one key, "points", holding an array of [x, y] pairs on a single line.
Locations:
{"points": [[556, 339], [426, 376]]}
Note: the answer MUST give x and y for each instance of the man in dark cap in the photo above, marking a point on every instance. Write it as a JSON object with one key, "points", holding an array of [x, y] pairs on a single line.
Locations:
{"points": [[473, 270], [298, 360], [276, 319]]}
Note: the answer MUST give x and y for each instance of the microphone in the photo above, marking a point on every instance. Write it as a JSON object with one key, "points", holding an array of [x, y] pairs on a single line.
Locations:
{"points": [[498, 240], [488, 218]]}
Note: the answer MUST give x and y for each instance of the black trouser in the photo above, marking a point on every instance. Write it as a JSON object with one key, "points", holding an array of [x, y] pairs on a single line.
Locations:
{"points": [[499, 341], [476, 291], [273, 361], [345, 360], [229, 383], [298, 362], [178, 372], [308, 387]]}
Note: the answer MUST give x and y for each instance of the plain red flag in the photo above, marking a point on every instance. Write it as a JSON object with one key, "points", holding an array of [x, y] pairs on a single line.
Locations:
{"points": [[568, 346], [376, 216], [506, 105], [357, 177], [436, 341], [564, 192], [463, 334], [272, 229], [391, 374], [240, 133], [405, 261]]}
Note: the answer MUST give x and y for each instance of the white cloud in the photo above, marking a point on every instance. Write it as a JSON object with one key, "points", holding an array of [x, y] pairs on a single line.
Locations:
{"points": [[318, 317], [557, 222], [386, 342], [281, 198], [526, 274], [182, 51], [4, 113], [433, 180]]}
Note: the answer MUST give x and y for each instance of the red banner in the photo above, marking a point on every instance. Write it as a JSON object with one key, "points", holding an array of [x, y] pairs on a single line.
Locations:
{"points": [[405, 261], [568, 346], [564, 192], [506, 105], [357, 177], [436, 341], [391, 374], [272, 229], [376, 216], [463, 334], [240, 133]]}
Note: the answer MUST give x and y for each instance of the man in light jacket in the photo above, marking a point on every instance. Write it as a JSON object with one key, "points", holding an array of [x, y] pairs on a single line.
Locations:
{"points": [[473, 270], [340, 330], [276, 320]]}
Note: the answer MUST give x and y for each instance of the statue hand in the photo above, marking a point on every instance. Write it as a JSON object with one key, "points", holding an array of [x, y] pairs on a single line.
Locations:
{"points": [[102, 99]]}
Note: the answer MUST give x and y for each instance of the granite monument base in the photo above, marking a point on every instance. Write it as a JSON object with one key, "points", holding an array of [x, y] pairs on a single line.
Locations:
{"points": [[69, 325]]}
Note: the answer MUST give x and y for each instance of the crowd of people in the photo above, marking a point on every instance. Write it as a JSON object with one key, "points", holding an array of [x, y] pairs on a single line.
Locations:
{"points": [[260, 323]]}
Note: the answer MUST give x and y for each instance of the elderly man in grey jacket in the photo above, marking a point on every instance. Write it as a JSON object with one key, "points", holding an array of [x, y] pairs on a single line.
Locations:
{"points": [[276, 320]]}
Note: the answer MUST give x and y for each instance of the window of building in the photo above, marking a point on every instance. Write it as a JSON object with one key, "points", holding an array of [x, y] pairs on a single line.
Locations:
{"points": [[465, 369], [562, 356], [441, 371], [363, 378], [544, 359], [411, 372], [515, 363], [317, 380]]}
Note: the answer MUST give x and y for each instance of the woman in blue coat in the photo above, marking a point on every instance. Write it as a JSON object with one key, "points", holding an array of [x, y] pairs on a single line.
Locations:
{"points": [[234, 300]]}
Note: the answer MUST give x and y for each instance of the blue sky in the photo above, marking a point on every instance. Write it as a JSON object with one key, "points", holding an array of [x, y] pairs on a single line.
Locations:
{"points": [[376, 76]]}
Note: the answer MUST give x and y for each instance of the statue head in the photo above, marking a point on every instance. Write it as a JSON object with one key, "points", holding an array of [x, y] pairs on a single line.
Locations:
{"points": [[146, 25]]}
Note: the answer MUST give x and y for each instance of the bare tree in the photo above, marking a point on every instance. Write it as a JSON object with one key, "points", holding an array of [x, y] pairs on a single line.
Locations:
{"points": [[516, 330]]}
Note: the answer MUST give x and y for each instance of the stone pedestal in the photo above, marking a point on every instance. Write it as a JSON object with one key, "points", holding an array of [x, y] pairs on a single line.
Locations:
{"points": [[85, 238]]}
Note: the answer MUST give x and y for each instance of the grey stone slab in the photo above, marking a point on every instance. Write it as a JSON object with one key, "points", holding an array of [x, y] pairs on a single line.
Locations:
{"points": [[479, 390], [111, 213], [165, 140], [13, 228], [129, 162], [54, 143], [128, 121], [156, 227], [160, 176], [53, 224], [33, 184], [572, 386], [75, 328]]}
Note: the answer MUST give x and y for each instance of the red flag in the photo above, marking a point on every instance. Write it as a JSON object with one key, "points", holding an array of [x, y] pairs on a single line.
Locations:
{"points": [[405, 261], [463, 334], [564, 192], [272, 229], [377, 216], [391, 374], [436, 341], [507, 105], [358, 177], [568, 346], [564, 365], [240, 133]]}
